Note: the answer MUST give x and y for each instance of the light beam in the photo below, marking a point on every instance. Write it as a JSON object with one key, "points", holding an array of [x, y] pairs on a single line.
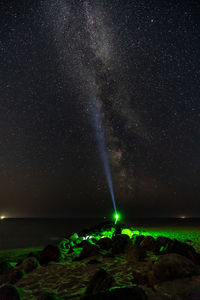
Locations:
{"points": [[97, 124]]}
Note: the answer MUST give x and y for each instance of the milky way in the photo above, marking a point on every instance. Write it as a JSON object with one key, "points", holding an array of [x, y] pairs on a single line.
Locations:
{"points": [[139, 63]]}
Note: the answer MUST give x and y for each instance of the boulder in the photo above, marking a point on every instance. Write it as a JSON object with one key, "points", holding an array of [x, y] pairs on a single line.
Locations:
{"points": [[105, 243], [88, 250], [135, 253], [181, 248], [148, 243], [10, 292], [49, 253], [121, 293], [192, 293], [171, 266], [4, 267], [118, 228], [100, 281], [11, 276], [138, 239], [29, 264], [161, 244], [120, 243], [74, 237]]}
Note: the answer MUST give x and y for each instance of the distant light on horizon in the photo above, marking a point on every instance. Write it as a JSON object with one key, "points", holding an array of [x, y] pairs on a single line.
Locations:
{"points": [[3, 217], [182, 217]]}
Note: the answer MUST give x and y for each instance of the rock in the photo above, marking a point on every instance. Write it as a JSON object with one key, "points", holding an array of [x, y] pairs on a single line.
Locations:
{"points": [[49, 296], [138, 239], [181, 248], [135, 253], [192, 293], [148, 243], [161, 243], [49, 253], [88, 251], [15, 275], [100, 281], [118, 229], [29, 264], [10, 292], [105, 243], [64, 244], [11, 276], [171, 266], [124, 293], [4, 267], [120, 243], [74, 237]]}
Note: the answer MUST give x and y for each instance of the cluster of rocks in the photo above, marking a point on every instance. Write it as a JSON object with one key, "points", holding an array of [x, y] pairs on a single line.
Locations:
{"points": [[172, 260]]}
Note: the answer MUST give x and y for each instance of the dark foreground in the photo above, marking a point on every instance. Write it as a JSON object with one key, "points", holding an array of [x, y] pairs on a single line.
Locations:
{"points": [[107, 262]]}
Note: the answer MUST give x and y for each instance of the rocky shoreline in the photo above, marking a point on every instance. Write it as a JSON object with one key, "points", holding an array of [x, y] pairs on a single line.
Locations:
{"points": [[105, 262]]}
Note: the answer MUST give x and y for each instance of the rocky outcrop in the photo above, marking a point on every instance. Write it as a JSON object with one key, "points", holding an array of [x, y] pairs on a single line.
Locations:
{"points": [[171, 266]]}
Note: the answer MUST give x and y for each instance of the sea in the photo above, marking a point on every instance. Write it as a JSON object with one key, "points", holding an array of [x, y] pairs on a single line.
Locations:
{"points": [[24, 233]]}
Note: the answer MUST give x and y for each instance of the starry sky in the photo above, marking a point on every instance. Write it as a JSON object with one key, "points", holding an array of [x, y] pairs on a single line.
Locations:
{"points": [[138, 62]]}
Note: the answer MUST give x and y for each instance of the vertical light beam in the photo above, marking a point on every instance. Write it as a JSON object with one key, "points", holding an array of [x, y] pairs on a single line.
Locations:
{"points": [[97, 124]]}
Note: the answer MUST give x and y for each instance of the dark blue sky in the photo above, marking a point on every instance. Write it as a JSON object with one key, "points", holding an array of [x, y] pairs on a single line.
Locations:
{"points": [[139, 62]]}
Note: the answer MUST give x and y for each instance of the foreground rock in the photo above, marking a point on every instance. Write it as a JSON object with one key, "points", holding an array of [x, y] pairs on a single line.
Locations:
{"points": [[101, 281], [105, 243], [10, 292], [29, 264], [120, 243], [192, 293], [135, 253], [171, 266], [49, 253], [12, 276], [4, 267], [127, 293], [181, 248], [88, 250]]}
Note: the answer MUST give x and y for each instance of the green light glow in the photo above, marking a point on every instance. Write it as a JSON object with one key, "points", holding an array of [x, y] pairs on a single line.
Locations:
{"points": [[116, 217]]}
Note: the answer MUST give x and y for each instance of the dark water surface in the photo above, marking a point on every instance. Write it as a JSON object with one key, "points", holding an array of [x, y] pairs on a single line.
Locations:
{"points": [[25, 233]]}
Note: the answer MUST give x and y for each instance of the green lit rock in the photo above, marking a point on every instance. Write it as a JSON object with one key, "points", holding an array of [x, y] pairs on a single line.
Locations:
{"points": [[74, 237]]}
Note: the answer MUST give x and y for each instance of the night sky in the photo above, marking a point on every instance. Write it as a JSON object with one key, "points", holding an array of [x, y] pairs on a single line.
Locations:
{"points": [[138, 61]]}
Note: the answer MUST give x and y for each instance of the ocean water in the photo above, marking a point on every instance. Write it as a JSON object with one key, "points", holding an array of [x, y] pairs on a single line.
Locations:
{"points": [[29, 232]]}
